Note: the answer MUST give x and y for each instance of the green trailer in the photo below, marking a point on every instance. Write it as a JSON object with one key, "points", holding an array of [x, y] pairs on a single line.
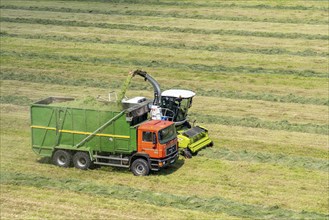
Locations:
{"points": [[87, 136]]}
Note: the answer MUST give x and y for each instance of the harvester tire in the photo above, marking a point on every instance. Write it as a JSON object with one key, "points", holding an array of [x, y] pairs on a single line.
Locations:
{"points": [[62, 158], [187, 153], [81, 160], [140, 167]]}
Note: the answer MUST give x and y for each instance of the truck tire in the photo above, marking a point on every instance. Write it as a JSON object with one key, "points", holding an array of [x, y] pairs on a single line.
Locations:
{"points": [[187, 153], [62, 158], [140, 167], [81, 160]]}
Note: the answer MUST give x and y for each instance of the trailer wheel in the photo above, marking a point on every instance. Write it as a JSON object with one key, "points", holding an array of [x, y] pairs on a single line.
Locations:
{"points": [[187, 153], [81, 160], [62, 158], [140, 167]]}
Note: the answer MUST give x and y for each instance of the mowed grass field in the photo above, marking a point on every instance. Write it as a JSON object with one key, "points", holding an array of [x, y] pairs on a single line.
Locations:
{"points": [[260, 72]]}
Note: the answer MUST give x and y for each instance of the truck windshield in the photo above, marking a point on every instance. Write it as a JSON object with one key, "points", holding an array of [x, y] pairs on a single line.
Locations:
{"points": [[167, 134]]}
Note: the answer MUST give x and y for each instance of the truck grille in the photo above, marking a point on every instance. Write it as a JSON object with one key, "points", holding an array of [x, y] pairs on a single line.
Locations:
{"points": [[171, 150]]}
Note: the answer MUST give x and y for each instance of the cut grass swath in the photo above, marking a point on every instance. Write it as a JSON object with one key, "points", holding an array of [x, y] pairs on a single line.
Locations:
{"points": [[115, 84], [165, 29], [161, 64], [209, 47], [215, 204], [258, 123], [263, 157], [162, 14]]}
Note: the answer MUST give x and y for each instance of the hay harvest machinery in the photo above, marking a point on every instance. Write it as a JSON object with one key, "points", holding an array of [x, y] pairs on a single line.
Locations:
{"points": [[173, 105]]}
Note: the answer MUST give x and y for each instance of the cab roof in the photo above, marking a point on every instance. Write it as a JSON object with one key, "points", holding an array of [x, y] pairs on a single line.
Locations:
{"points": [[155, 125], [178, 93]]}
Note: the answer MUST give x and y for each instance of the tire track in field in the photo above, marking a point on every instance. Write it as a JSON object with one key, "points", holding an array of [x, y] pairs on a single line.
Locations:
{"points": [[148, 13], [166, 29], [162, 64], [214, 204]]}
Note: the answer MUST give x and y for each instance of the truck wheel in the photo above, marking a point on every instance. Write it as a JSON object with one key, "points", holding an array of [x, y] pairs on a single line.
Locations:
{"points": [[81, 160], [62, 158], [187, 153], [140, 167]]}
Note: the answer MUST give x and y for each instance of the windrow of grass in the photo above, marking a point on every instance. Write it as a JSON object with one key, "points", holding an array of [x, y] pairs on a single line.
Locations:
{"points": [[215, 204], [157, 44], [15, 100], [164, 28], [237, 138], [27, 202], [237, 62], [187, 39], [288, 5], [255, 122], [114, 84], [269, 111], [304, 16], [165, 22], [159, 13], [250, 62], [163, 64], [264, 157], [255, 83]]}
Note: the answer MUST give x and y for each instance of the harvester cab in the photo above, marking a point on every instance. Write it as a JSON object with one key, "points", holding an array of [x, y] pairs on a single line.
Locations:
{"points": [[175, 104]]}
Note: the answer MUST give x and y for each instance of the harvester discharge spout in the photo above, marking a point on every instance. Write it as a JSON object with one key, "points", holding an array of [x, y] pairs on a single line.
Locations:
{"points": [[154, 83]]}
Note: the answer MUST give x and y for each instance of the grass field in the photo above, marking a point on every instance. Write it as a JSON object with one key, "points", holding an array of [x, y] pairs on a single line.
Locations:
{"points": [[260, 71]]}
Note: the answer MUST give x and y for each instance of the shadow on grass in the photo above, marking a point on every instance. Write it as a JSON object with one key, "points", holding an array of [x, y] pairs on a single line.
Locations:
{"points": [[164, 171], [171, 168], [44, 160]]}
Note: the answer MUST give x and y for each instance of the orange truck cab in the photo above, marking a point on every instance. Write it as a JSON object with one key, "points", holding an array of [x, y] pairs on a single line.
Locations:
{"points": [[158, 141]]}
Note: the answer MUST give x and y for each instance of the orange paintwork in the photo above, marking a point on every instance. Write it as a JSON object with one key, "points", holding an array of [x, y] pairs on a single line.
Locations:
{"points": [[153, 150]]}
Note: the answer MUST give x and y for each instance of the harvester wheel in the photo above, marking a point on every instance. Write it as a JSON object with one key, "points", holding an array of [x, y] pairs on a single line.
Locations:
{"points": [[187, 153], [140, 167], [62, 158], [81, 160], [211, 144]]}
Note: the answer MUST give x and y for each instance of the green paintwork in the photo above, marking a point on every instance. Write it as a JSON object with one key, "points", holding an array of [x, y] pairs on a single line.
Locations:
{"points": [[59, 127], [194, 144]]}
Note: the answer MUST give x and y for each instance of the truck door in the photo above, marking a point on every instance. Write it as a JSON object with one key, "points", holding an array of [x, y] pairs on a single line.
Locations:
{"points": [[149, 144]]}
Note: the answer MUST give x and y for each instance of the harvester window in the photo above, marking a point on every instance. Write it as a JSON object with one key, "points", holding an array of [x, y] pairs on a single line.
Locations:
{"points": [[148, 136]]}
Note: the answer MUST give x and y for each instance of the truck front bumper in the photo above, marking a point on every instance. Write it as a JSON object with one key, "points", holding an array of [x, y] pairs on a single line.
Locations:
{"points": [[157, 164]]}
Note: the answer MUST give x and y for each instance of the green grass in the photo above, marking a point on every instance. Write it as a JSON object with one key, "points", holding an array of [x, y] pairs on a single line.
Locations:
{"points": [[166, 29], [162, 64], [259, 157], [260, 72], [159, 13], [214, 204], [258, 123], [273, 50]]}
